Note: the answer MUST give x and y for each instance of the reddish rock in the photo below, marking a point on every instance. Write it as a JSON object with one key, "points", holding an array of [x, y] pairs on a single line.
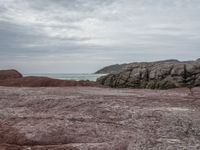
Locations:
{"points": [[14, 78], [91, 118], [43, 82], [9, 74]]}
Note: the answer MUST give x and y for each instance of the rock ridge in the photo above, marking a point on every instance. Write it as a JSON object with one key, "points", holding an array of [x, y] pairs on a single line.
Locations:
{"points": [[155, 75], [13, 78]]}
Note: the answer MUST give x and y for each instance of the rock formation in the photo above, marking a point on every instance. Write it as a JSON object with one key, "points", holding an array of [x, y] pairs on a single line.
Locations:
{"points": [[14, 79], [9, 74], [155, 75], [43, 82]]}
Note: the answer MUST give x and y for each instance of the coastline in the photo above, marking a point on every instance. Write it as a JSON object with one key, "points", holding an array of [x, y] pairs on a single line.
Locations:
{"points": [[53, 114], [67, 76], [16, 79]]}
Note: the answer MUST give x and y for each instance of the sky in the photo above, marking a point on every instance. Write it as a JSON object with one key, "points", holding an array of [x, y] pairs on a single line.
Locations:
{"points": [[82, 36]]}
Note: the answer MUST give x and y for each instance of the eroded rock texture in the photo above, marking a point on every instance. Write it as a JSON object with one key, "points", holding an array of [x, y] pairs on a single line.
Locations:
{"points": [[156, 75], [88, 118]]}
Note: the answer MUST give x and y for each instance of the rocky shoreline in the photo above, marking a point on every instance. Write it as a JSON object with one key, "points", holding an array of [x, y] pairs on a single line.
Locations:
{"points": [[13, 78], [150, 75], [81, 115], [155, 75]]}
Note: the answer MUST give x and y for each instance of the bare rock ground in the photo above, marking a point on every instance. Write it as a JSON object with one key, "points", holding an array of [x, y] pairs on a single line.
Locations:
{"points": [[92, 118]]}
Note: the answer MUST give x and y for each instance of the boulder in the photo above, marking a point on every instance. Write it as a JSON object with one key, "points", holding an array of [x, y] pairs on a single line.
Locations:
{"points": [[155, 75], [9, 74]]}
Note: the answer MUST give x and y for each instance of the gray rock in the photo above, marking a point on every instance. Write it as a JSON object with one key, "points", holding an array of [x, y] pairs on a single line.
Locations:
{"points": [[197, 80], [155, 75], [117, 68]]}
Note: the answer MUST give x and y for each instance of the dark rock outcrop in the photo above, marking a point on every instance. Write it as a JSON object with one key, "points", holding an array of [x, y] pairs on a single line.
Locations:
{"points": [[117, 68], [9, 74], [155, 75]]}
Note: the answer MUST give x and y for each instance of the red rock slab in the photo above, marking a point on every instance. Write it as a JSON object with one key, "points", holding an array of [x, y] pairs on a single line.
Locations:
{"points": [[43, 82]]}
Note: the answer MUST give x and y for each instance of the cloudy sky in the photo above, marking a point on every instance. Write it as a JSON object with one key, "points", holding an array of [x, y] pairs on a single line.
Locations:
{"points": [[80, 36]]}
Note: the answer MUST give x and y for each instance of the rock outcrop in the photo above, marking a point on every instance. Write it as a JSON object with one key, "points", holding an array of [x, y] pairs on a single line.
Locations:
{"points": [[9, 74], [43, 82], [155, 75], [13, 78]]}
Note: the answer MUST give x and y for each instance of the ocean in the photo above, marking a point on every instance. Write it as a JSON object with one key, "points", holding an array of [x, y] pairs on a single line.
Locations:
{"points": [[64, 76]]}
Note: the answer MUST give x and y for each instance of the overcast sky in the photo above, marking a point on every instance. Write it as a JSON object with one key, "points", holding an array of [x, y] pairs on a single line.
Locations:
{"points": [[80, 36]]}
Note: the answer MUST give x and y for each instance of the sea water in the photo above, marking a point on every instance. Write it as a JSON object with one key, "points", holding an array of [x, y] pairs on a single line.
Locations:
{"points": [[65, 76]]}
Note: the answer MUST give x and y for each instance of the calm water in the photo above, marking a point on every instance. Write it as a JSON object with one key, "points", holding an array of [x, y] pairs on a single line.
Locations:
{"points": [[64, 76]]}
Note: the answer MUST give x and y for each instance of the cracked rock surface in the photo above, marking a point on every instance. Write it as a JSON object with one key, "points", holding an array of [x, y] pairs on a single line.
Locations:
{"points": [[91, 118], [155, 75]]}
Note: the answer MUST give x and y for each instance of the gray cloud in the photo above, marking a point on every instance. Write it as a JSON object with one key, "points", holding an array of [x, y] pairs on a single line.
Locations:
{"points": [[84, 35]]}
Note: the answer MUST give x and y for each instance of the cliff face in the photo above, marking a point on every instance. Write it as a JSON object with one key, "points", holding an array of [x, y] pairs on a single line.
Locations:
{"points": [[155, 75]]}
